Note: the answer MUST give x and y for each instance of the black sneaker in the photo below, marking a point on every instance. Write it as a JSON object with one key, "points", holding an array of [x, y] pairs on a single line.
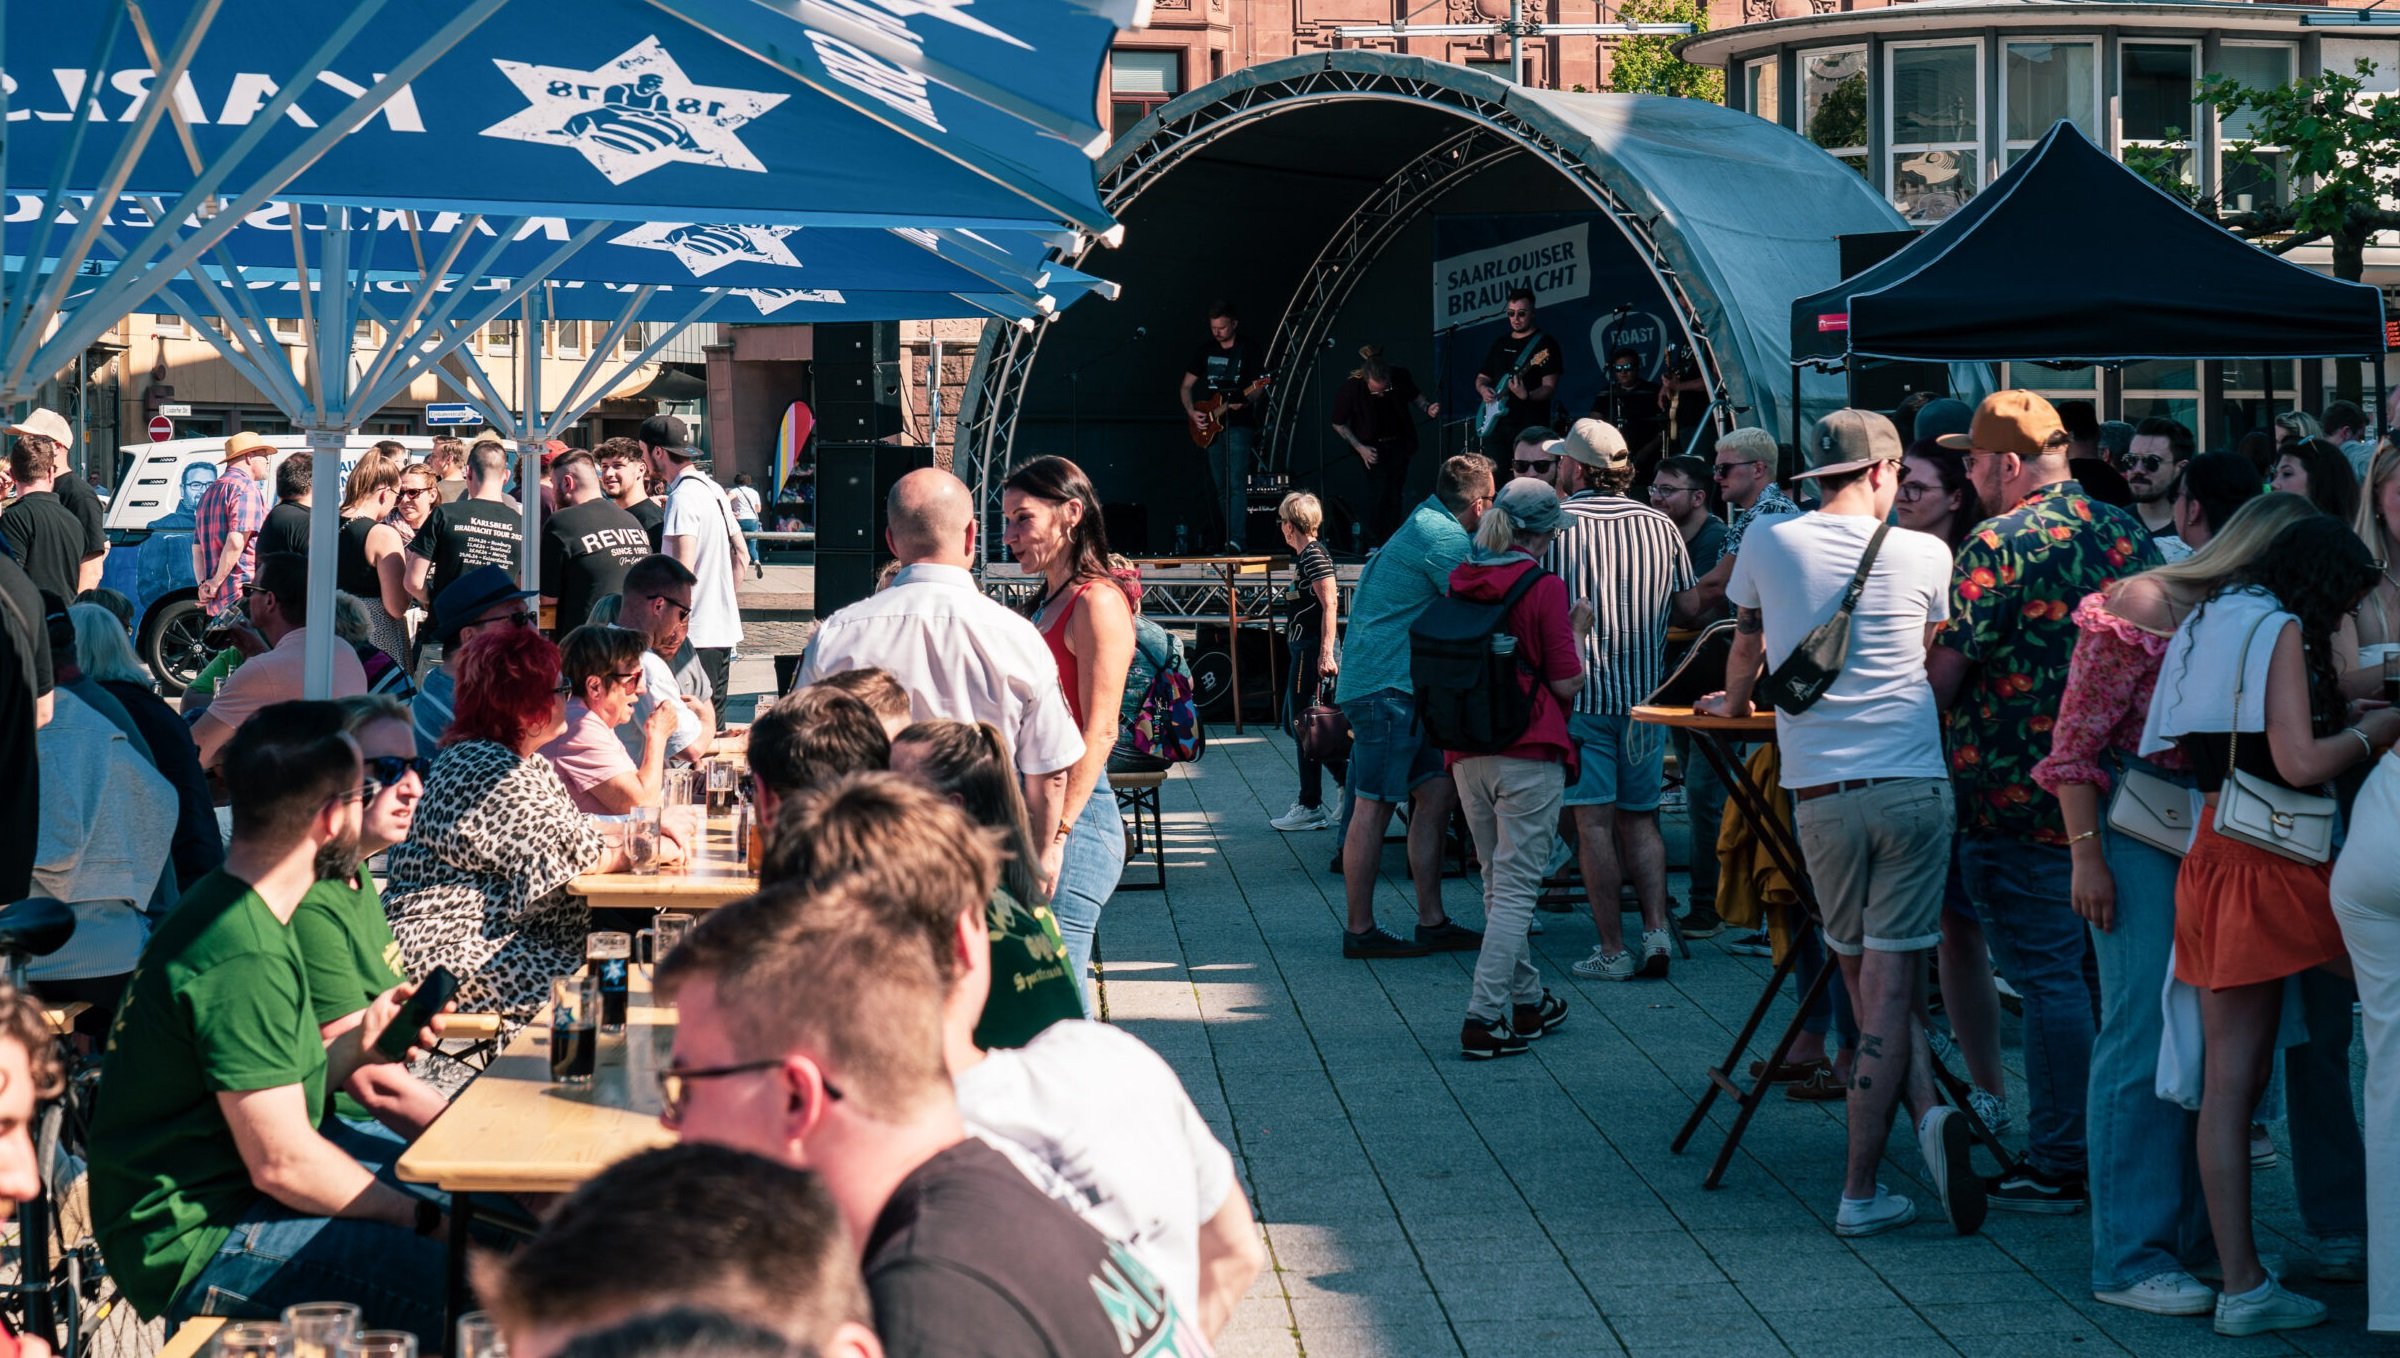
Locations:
{"points": [[1533, 1020], [2023, 1188], [1483, 1041], [1701, 922], [1448, 936], [1336, 868], [1380, 943]]}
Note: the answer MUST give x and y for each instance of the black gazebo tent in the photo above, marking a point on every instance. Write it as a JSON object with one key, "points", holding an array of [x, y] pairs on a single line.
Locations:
{"points": [[2071, 257]]}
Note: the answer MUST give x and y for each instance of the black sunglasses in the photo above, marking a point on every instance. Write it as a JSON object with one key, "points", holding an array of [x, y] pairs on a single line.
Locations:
{"points": [[682, 610], [2147, 462], [1541, 468], [1621, 368], [383, 770], [1721, 470]]}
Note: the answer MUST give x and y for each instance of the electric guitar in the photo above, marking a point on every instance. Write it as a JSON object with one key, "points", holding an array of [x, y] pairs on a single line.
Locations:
{"points": [[1494, 410], [1209, 412]]}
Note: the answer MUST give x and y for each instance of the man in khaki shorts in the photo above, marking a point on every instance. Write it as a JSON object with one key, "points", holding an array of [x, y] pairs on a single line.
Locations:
{"points": [[1864, 765]]}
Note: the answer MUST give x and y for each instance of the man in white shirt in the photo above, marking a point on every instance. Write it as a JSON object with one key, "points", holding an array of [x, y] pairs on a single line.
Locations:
{"points": [[747, 508], [699, 531], [958, 653], [1864, 765], [657, 603]]}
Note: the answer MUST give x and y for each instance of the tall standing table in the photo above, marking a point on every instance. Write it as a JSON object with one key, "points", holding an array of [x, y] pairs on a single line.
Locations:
{"points": [[1230, 569]]}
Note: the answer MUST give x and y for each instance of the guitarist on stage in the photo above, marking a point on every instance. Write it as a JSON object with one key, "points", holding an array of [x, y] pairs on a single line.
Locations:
{"points": [[1519, 375], [1220, 387]]}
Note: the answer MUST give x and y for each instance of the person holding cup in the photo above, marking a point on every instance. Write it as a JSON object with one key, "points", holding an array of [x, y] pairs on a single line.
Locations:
{"points": [[480, 884]]}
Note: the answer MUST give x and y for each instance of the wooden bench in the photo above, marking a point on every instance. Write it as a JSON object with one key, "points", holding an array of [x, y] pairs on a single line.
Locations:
{"points": [[191, 1338], [1138, 793]]}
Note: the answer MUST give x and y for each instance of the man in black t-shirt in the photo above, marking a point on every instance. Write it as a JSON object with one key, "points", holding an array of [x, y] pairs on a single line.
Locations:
{"points": [[1520, 372], [286, 528], [821, 1033], [49, 429], [1228, 369], [1630, 403], [44, 536], [587, 546], [477, 529], [25, 683]]}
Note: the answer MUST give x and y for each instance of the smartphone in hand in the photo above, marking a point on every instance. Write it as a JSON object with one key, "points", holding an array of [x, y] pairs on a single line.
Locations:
{"points": [[415, 1013]]}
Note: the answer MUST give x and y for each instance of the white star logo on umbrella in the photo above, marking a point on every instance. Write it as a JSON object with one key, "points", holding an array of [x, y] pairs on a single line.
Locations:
{"points": [[703, 248], [633, 114], [771, 300]]}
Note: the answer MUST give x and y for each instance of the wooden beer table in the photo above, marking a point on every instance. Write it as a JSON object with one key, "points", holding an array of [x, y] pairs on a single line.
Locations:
{"points": [[718, 875], [512, 1130]]}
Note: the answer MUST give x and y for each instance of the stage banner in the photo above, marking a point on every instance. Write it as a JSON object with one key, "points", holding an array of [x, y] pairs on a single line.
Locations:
{"points": [[1592, 294]]}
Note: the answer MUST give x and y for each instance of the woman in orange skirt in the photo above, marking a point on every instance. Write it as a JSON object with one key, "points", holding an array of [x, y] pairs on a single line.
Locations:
{"points": [[2251, 682]]}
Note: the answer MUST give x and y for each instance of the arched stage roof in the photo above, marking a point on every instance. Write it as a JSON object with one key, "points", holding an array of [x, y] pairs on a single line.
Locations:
{"points": [[1304, 189]]}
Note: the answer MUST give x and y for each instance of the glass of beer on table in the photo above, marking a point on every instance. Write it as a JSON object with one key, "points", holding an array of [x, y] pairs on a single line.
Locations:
{"points": [[574, 1029]]}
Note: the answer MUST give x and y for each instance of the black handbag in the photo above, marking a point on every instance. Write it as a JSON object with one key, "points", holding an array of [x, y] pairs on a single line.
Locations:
{"points": [[1795, 685], [1700, 671], [1321, 729]]}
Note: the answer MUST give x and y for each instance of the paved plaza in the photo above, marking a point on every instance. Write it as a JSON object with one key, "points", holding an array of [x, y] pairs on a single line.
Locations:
{"points": [[1418, 1205]]}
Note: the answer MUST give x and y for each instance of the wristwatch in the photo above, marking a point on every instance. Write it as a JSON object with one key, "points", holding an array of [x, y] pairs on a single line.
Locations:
{"points": [[429, 1216]]}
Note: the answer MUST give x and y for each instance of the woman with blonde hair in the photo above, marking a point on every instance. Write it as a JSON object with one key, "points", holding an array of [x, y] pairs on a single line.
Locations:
{"points": [[373, 566], [1374, 412], [1311, 617], [2378, 619]]}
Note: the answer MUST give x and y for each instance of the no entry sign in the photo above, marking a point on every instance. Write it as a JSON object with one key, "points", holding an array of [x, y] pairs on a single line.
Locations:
{"points": [[161, 429]]}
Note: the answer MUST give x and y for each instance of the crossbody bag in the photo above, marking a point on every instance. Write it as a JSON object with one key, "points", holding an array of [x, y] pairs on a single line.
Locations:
{"points": [[2264, 814], [1794, 686]]}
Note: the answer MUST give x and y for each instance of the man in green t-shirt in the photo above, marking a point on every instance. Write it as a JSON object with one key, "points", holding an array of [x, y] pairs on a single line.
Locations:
{"points": [[346, 944], [213, 1192]]}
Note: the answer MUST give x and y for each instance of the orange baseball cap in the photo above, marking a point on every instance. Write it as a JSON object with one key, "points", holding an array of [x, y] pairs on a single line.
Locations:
{"points": [[2008, 422]]}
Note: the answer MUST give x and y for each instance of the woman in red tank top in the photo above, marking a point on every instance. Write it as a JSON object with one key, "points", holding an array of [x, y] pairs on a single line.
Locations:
{"points": [[1051, 524]]}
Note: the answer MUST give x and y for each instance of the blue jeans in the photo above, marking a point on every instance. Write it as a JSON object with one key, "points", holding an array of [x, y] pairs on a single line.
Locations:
{"points": [[1229, 461], [748, 527], [277, 1258], [2021, 892], [1087, 876], [2329, 1157], [2148, 1214]]}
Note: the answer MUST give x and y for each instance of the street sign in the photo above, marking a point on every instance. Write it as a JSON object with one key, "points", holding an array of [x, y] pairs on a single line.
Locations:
{"points": [[174, 411], [452, 412], [161, 429]]}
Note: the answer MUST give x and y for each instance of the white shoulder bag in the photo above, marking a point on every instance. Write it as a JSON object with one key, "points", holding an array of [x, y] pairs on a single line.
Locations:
{"points": [[2263, 814]]}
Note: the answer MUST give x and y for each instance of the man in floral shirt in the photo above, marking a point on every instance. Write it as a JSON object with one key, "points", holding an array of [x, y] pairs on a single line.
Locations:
{"points": [[1999, 667]]}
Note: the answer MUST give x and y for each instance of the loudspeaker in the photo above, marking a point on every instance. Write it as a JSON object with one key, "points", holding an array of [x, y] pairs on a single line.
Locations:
{"points": [[856, 376], [1128, 527], [843, 578], [1212, 672], [1877, 384], [853, 481]]}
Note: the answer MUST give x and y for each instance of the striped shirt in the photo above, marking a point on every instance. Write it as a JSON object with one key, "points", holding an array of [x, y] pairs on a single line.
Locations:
{"points": [[1626, 560]]}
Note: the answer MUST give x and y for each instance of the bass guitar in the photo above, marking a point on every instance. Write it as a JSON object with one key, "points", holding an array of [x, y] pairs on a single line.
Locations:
{"points": [[1209, 411], [1494, 410]]}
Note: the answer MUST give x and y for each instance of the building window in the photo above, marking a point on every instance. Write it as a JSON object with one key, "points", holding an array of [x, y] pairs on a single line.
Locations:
{"points": [[364, 333], [2245, 407], [288, 327], [500, 337], [1140, 82], [2242, 186], [169, 327], [566, 338], [2155, 98], [1936, 108], [2169, 387], [633, 339], [1833, 103], [2043, 82], [1763, 83]]}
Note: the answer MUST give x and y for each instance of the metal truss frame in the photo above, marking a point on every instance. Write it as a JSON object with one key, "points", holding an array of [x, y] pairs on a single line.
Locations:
{"points": [[1497, 130]]}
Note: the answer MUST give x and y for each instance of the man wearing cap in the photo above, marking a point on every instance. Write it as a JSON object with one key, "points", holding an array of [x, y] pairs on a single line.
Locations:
{"points": [[225, 527], [45, 536], [1622, 562], [701, 532], [1872, 796], [1999, 668], [278, 603], [47, 429], [486, 596], [480, 528]]}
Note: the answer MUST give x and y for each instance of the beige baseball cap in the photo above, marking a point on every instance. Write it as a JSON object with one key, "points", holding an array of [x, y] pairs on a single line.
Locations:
{"points": [[46, 424], [1594, 443]]}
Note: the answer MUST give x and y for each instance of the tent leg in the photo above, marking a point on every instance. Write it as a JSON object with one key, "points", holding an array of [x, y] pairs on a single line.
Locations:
{"points": [[2383, 413], [1795, 405]]}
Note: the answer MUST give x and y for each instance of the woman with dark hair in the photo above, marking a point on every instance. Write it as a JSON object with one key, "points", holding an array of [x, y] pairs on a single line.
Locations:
{"points": [[1051, 524], [480, 884], [969, 763], [2317, 470], [373, 566], [2258, 449], [2257, 659], [1935, 495]]}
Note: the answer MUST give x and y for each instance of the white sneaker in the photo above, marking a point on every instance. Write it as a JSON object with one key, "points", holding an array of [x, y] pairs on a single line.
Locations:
{"points": [[1887, 1211], [1600, 966], [2172, 1293], [2272, 1307], [1655, 943], [1991, 1108], [1301, 818]]}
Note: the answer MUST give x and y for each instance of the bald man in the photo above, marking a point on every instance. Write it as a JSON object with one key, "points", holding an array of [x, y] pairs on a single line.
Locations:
{"points": [[958, 653]]}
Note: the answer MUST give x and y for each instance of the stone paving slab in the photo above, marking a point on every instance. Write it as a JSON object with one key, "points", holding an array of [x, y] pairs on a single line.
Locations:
{"points": [[1416, 1205]]}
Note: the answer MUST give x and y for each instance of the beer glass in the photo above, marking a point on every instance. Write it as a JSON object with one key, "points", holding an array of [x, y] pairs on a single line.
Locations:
{"points": [[641, 840], [610, 957], [378, 1344], [479, 1337], [574, 1036], [254, 1339], [319, 1327]]}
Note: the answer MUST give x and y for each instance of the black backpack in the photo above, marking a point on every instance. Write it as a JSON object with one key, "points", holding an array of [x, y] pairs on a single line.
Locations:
{"points": [[1472, 698]]}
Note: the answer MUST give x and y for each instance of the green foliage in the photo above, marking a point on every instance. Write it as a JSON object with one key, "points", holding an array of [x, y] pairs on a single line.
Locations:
{"points": [[1841, 118], [2166, 166], [1648, 65]]}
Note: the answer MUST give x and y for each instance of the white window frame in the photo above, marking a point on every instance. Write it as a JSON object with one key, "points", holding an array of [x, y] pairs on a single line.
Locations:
{"points": [[1894, 148], [567, 339], [2291, 52], [1772, 68], [502, 343], [1800, 102], [2009, 146], [633, 342], [168, 325], [2191, 128]]}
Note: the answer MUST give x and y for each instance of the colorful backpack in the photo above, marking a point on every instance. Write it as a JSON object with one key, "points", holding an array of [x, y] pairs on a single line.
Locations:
{"points": [[1161, 718]]}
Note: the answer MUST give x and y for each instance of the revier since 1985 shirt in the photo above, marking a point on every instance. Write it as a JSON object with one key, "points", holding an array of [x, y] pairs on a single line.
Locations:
{"points": [[586, 550]]}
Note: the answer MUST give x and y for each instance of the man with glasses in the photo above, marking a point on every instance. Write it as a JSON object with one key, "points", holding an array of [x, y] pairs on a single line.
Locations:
{"points": [[1999, 670], [278, 607], [1519, 375], [658, 604], [1536, 455], [810, 1032], [1679, 490], [2151, 464], [1630, 404], [226, 523], [484, 597], [346, 944], [1745, 476], [213, 1191]]}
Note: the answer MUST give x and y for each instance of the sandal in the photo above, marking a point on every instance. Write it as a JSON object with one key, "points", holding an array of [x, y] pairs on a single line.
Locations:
{"points": [[1822, 1086], [1790, 1072]]}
